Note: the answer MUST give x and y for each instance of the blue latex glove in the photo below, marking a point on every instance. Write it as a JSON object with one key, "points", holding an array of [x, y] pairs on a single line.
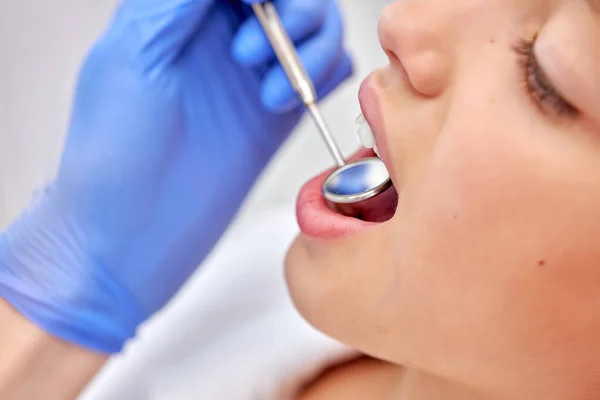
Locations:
{"points": [[178, 109]]}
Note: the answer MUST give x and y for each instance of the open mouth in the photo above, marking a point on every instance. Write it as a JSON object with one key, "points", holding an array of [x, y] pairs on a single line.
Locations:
{"points": [[320, 218]]}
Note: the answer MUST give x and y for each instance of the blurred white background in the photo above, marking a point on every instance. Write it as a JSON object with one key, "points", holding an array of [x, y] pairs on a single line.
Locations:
{"points": [[42, 43]]}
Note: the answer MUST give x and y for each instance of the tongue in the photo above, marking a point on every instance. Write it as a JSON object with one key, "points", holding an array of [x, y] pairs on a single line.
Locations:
{"points": [[378, 209], [381, 208]]}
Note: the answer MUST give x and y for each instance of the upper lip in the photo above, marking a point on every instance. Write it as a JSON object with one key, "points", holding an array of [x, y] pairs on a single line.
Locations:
{"points": [[369, 104]]}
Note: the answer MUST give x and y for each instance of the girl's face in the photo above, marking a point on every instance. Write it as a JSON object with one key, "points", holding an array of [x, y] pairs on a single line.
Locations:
{"points": [[488, 118]]}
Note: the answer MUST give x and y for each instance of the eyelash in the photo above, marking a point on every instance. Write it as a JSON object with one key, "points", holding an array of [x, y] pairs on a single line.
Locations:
{"points": [[537, 84]]}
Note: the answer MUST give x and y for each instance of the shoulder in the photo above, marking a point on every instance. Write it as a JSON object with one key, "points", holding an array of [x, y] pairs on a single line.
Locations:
{"points": [[365, 378]]}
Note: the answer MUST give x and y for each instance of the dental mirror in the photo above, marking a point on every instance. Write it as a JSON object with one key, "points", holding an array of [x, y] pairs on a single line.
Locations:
{"points": [[361, 189]]}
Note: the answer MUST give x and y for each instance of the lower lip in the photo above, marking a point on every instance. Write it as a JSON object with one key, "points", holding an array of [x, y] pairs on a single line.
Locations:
{"points": [[315, 218]]}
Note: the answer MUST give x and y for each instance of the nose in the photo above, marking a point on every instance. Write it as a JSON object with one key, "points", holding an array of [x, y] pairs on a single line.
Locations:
{"points": [[416, 36]]}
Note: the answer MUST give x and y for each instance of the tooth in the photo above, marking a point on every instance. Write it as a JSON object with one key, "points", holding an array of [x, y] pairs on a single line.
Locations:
{"points": [[365, 134], [360, 119], [376, 151]]}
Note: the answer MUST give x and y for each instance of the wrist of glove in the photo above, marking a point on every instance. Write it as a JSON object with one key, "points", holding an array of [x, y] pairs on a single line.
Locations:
{"points": [[48, 274]]}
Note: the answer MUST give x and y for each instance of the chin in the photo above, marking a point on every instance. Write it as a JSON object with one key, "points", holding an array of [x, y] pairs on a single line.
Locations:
{"points": [[298, 263], [309, 282], [322, 278]]}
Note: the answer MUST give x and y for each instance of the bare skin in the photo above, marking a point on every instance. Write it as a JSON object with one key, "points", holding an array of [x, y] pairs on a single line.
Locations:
{"points": [[366, 378], [484, 284], [34, 365]]}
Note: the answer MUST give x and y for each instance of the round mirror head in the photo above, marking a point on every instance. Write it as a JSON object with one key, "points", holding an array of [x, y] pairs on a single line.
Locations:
{"points": [[357, 181]]}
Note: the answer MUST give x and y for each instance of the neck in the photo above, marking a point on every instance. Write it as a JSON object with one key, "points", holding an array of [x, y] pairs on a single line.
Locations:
{"points": [[417, 385]]}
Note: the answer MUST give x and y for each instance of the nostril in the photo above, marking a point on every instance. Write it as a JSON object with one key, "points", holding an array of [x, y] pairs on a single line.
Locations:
{"points": [[394, 59], [399, 68], [425, 72]]}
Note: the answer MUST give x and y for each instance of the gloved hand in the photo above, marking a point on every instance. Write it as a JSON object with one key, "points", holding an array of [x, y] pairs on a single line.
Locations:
{"points": [[178, 109]]}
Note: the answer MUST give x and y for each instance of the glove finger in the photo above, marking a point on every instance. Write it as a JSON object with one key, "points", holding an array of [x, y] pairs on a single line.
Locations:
{"points": [[342, 72], [278, 96], [156, 31], [320, 56], [301, 19]]}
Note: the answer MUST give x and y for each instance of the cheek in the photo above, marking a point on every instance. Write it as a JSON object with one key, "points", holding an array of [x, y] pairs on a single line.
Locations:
{"points": [[500, 240]]}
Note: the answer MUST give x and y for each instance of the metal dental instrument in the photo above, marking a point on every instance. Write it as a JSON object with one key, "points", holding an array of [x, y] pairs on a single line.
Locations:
{"points": [[358, 189], [288, 57]]}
